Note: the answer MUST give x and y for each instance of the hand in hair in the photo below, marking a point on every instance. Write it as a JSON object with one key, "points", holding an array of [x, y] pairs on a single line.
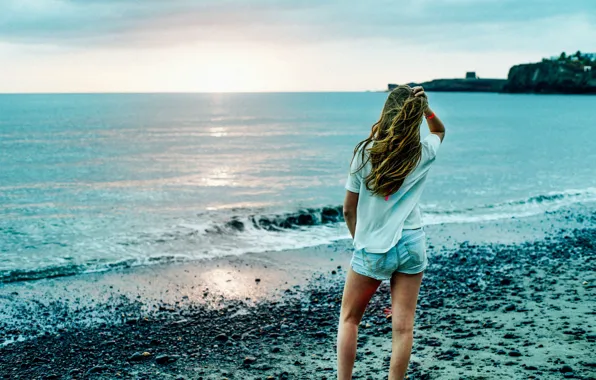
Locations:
{"points": [[418, 91], [435, 125]]}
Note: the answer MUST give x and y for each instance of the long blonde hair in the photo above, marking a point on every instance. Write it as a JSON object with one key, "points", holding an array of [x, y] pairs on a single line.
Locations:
{"points": [[395, 138]]}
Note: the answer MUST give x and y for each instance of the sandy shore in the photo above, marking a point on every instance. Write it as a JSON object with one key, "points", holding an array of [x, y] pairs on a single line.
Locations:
{"points": [[508, 299]]}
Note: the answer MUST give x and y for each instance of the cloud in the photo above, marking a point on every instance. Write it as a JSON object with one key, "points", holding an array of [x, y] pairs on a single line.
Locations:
{"points": [[478, 24]]}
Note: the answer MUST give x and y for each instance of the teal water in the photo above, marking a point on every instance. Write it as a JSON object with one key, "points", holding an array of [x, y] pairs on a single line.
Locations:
{"points": [[94, 182]]}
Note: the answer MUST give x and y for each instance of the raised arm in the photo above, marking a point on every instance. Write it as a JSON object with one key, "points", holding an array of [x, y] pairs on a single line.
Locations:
{"points": [[435, 125]]}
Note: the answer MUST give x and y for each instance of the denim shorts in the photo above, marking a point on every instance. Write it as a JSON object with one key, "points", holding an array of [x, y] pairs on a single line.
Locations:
{"points": [[407, 256]]}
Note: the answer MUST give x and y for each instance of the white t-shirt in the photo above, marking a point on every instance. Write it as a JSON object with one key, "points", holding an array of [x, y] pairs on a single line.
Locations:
{"points": [[379, 222]]}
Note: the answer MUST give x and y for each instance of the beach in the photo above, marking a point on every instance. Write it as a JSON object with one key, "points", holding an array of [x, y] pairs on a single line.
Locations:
{"points": [[511, 298]]}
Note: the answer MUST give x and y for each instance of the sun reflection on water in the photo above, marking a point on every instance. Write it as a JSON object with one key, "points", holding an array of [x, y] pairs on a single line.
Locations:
{"points": [[218, 131]]}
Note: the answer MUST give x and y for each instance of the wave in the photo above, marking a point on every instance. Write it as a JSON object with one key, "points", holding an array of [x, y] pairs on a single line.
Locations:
{"points": [[518, 208], [238, 232], [305, 217], [533, 205]]}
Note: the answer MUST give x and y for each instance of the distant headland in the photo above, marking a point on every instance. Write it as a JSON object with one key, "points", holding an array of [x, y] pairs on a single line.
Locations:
{"points": [[563, 74]]}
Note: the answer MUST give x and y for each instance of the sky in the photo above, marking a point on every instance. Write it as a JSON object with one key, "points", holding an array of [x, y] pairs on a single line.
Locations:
{"points": [[283, 45]]}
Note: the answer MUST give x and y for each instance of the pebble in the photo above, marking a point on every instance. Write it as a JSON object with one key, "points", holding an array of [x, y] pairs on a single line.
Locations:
{"points": [[514, 353], [249, 360]]}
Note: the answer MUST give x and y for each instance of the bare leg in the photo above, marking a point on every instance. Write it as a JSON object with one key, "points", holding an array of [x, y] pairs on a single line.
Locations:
{"points": [[404, 296], [357, 292]]}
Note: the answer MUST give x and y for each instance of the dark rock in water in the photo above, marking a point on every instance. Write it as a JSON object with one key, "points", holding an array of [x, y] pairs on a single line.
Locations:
{"points": [[331, 214], [236, 225], [306, 220]]}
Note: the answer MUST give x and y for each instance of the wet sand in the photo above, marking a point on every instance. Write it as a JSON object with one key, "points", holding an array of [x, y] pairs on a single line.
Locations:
{"points": [[508, 299]]}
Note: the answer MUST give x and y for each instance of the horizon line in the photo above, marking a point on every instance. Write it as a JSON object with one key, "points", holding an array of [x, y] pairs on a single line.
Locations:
{"points": [[184, 92]]}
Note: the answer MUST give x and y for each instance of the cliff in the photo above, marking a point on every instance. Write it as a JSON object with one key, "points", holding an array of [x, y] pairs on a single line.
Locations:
{"points": [[551, 77], [546, 77], [464, 85]]}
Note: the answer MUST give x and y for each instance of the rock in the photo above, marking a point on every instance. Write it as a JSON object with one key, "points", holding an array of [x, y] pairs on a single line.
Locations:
{"points": [[249, 360], [566, 368], [509, 307], [506, 281], [514, 353], [221, 338], [163, 359], [138, 356], [96, 369], [448, 354]]}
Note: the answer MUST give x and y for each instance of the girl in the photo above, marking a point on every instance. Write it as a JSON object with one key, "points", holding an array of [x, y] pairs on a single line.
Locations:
{"points": [[387, 176]]}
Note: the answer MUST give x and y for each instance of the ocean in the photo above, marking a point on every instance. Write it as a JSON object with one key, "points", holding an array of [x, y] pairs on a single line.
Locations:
{"points": [[95, 182]]}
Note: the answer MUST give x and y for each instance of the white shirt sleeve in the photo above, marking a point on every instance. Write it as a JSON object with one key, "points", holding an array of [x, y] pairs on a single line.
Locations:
{"points": [[355, 176], [430, 145]]}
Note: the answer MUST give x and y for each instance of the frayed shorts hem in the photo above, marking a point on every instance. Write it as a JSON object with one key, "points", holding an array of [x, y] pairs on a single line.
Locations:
{"points": [[362, 272]]}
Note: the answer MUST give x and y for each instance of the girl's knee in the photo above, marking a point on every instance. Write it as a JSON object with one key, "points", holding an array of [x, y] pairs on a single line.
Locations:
{"points": [[350, 318], [402, 327]]}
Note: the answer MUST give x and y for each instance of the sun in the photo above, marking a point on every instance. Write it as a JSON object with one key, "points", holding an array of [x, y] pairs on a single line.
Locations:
{"points": [[228, 68]]}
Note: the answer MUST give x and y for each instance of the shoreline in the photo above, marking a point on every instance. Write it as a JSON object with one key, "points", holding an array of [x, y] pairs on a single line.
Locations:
{"points": [[487, 296]]}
